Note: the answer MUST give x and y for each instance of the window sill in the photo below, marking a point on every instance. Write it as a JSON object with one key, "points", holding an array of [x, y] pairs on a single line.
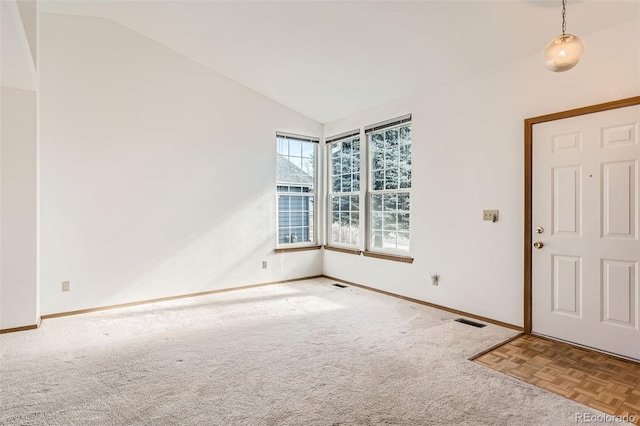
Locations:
{"points": [[393, 257], [343, 250], [292, 249]]}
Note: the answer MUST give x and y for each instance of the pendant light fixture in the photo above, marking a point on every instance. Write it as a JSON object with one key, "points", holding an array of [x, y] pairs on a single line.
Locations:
{"points": [[565, 51]]}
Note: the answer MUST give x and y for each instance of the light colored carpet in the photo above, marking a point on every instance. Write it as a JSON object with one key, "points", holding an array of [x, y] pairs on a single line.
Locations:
{"points": [[304, 353]]}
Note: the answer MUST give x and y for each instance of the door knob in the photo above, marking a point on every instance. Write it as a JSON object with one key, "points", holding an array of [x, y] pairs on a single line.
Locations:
{"points": [[539, 229], [538, 244]]}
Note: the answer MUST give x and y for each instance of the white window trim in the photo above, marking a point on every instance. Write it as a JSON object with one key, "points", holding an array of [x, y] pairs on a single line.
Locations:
{"points": [[314, 193], [314, 241], [382, 250], [386, 125], [360, 193]]}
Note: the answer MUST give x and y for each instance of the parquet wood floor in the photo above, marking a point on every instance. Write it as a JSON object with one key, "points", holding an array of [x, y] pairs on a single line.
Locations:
{"points": [[600, 381]]}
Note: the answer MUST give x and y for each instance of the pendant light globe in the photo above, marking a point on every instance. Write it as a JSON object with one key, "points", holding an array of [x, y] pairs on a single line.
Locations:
{"points": [[563, 52]]}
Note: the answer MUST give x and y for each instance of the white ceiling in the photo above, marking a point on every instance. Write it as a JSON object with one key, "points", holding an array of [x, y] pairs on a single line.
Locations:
{"points": [[328, 60]]}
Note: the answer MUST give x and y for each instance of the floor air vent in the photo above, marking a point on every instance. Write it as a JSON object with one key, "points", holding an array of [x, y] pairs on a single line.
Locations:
{"points": [[340, 285], [472, 323]]}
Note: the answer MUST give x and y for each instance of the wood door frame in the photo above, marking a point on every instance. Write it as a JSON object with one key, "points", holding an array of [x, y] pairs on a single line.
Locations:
{"points": [[528, 187]]}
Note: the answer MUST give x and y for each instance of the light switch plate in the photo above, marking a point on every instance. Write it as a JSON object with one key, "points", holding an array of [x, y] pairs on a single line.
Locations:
{"points": [[490, 215], [65, 285]]}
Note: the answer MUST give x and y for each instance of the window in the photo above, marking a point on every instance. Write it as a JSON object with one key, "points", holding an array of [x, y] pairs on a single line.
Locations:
{"points": [[389, 188], [344, 189], [295, 187]]}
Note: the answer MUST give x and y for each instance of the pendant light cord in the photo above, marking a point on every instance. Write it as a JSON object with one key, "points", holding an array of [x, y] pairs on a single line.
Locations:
{"points": [[564, 17]]}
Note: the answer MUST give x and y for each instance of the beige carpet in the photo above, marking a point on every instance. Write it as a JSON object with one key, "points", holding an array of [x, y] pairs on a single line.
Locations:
{"points": [[305, 353]]}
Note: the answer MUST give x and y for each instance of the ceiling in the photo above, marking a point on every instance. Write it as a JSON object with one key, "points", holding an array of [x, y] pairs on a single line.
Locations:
{"points": [[331, 59]]}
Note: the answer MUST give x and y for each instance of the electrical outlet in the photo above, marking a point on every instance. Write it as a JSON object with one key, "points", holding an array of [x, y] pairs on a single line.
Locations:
{"points": [[264, 264], [491, 215], [65, 285], [435, 279]]}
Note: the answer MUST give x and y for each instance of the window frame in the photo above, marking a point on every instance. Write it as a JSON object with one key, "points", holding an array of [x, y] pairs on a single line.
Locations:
{"points": [[395, 123], [329, 142], [315, 210]]}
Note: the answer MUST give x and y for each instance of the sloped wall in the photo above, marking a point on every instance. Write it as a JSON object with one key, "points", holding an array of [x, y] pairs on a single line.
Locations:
{"points": [[157, 174]]}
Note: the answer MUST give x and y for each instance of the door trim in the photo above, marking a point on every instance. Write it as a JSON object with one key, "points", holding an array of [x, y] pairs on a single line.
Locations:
{"points": [[528, 186]]}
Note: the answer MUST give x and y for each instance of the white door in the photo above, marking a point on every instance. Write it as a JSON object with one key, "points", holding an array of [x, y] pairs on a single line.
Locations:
{"points": [[585, 203]]}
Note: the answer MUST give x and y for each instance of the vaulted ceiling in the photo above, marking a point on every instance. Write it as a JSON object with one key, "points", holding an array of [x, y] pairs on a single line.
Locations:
{"points": [[330, 59]]}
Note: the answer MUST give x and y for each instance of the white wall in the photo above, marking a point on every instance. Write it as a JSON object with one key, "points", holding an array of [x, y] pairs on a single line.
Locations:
{"points": [[468, 156], [157, 174], [18, 286], [18, 183]]}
